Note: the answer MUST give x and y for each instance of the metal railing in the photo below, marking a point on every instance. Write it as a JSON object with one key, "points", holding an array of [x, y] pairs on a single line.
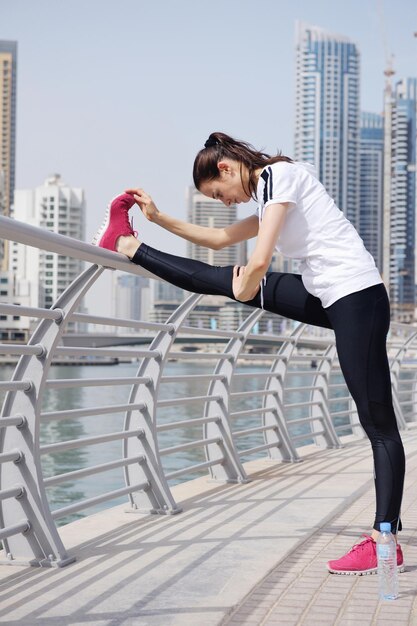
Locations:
{"points": [[293, 395]]}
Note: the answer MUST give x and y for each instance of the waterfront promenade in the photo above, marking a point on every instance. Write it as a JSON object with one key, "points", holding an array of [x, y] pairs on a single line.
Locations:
{"points": [[249, 549], [238, 554]]}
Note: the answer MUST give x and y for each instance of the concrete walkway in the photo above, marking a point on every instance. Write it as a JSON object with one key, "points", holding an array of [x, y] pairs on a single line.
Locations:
{"points": [[238, 555]]}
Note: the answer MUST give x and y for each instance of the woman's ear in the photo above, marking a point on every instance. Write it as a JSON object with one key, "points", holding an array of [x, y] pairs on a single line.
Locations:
{"points": [[223, 167]]}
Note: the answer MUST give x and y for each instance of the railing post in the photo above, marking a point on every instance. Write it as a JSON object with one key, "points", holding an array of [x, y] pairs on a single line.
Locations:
{"points": [[285, 449], [320, 403], [229, 467], [413, 400], [158, 498], [40, 543], [355, 424], [395, 369]]}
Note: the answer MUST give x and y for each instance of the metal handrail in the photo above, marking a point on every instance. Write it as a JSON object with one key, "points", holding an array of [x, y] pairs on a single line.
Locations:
{"points": [[227, 434], [27, 311], [97, 410], [89, 471], [111, 321]]}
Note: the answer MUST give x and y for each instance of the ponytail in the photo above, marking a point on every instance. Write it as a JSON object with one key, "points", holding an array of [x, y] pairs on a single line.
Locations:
{"points": [[221, 146]]}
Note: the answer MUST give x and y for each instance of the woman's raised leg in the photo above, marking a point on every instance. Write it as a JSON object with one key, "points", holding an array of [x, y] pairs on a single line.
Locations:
{"points": [[284, 294]]}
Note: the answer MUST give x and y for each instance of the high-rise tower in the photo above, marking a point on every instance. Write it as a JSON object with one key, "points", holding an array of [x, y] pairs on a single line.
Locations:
{"points": [[400, 192], [328, 113], [130, 298], [206, 211], [212, 213], [59, 208], [8, 65], [371, 183]]}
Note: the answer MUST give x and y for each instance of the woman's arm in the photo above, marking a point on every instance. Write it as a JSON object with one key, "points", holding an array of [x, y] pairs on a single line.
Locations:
{"points": [[246, 280], [215, 238]]}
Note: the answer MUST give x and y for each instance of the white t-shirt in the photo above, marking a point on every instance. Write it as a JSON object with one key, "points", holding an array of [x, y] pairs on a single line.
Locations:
{"points": [[334, 260]]}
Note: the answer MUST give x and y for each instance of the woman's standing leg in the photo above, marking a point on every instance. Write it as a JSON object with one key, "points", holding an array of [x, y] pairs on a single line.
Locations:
{"points": [[361, 322]]}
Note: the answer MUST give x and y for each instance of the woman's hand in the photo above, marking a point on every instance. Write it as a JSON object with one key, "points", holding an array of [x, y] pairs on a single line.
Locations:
{"points": [[145, 202], [246, 279], [238, 287]]}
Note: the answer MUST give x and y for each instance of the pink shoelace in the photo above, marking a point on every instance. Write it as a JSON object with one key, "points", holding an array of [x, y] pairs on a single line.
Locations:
{"points": [[362, 544]]}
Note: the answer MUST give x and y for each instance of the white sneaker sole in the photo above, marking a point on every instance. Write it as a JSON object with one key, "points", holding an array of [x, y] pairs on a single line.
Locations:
{"points": [[368, 572], [99, 234]]}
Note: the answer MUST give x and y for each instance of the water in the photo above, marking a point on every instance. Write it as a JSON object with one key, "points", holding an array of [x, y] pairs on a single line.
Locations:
{"points": [[387, 564], [82, 397]]}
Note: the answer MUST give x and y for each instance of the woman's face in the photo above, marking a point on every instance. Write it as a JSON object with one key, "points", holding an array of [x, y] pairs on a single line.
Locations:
{"points": [[227, 187]]}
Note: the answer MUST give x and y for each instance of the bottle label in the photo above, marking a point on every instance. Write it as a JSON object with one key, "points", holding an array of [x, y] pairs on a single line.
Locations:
{"points": [[383, 552]]}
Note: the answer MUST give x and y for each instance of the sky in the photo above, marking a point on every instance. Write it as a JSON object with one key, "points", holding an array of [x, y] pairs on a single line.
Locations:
{"points": [[113, 94]]}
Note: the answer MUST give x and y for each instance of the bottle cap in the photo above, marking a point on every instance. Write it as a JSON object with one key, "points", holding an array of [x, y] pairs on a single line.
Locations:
{"points": [[385, 527]]}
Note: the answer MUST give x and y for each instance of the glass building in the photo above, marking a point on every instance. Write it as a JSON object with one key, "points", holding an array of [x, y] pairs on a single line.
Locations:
{"points": [[327, 123], [403, 199], [371, 183]]}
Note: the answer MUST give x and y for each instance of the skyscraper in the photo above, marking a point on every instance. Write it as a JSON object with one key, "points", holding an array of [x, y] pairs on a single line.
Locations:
{"points": [[165, 299], [61, 209], [206, 211], [371, 183], [400, 197], [212, 213], [12, 327], [130, 298], [327, 112], [8, 65]]}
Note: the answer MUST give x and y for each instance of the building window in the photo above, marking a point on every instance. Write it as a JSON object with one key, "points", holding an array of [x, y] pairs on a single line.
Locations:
{"points": [[19, 336]]}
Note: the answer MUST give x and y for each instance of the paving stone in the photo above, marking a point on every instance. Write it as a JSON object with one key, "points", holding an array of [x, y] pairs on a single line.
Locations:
{"points": [[213, 565]]}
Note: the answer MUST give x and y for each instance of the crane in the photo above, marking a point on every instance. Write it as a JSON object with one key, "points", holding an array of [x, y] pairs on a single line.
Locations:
{"points": [[389, 57]]}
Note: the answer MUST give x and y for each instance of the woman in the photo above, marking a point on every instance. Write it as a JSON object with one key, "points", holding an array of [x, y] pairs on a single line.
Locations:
{"points": [[339, 287]]}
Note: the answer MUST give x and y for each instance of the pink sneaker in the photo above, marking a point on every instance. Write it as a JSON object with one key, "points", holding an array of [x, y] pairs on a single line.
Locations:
{"points": [[361, 559], [116, 222]]}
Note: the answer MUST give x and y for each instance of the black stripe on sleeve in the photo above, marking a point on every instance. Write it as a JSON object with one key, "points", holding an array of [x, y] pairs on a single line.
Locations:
{"points": [[265, 177], [270, 183]]}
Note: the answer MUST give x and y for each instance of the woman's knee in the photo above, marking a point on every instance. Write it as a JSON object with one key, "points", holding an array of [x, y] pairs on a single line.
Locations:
{"points": [[378, 420]]}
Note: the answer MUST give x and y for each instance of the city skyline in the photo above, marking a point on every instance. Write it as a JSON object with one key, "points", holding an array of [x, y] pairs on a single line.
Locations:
{"points": [[83, 110], [100, 119]]}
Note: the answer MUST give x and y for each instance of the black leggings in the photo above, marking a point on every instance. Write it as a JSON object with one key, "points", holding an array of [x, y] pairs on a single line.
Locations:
{"points": [[360, 322]]}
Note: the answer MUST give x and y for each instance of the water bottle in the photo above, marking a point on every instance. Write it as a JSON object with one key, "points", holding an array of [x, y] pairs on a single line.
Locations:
{"points": [[386, 550]]}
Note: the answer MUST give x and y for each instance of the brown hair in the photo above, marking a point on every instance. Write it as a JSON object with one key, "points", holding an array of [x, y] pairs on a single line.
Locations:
{"points": [[220, 146]]}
